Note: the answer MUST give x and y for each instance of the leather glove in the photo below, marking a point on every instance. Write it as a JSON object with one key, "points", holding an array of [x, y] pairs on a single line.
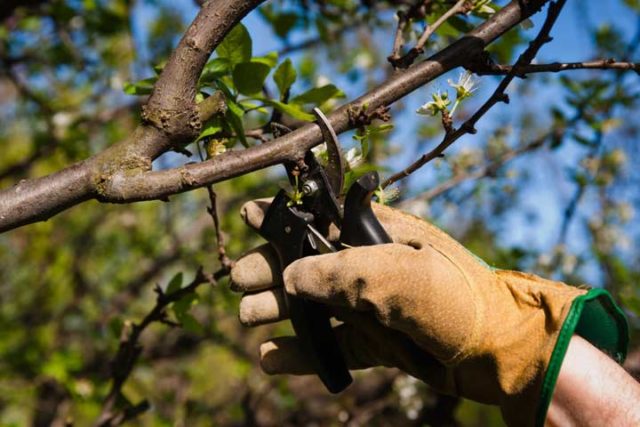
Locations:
{"points": [[428, 306]]}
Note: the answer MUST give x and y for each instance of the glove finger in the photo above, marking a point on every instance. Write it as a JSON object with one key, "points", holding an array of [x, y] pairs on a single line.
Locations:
{"points": [[253, 212], [284, 355], [263, 307], [402, 227], [412, 291], [364, 343], [256, 270]]}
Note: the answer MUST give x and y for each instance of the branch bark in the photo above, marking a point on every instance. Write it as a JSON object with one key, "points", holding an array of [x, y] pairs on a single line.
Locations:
{"points": [[171, 118], [122, 173]]}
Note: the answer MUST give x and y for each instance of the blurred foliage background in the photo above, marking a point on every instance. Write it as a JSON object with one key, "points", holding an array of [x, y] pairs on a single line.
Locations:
{"points": [[547, 186]]}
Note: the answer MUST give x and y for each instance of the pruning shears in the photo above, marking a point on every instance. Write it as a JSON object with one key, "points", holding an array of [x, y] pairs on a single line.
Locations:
{"points": [[299, 226]]}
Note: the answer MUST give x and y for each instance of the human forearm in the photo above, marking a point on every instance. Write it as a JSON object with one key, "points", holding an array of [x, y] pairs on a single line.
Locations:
{"points": [[593, 390]]}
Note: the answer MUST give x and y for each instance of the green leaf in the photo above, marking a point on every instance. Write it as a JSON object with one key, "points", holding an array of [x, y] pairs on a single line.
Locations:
{"points": [[374, 130], [142, 87], [211, 128], [283, 23], [249, 105], [234, 116], [460, 24], [285, 76], [190, 324], [181, 310], [236, 46], [174, 284], [318, 95], [270, 59], [159, 67], [293, 110], [215, 69], [249, 77], [183, 305]]}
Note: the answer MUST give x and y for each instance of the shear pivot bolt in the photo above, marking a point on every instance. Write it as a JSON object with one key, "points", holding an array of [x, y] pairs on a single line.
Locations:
{"points": [[309, 188]]}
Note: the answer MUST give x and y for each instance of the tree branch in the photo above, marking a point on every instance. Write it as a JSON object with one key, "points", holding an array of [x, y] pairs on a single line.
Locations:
{"points": [[292, 146], [461, 6], [417, 10], [554, 67], [171, 118], [121, 173], [488, 169], [172, 106], [499, 95]]}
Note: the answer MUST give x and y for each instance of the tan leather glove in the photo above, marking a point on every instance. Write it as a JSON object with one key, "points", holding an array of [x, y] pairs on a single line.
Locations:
{"points": [[428, 306]]}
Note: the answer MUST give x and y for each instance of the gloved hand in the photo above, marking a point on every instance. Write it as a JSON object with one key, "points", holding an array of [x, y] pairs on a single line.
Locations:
{"points": [[428, 306]]}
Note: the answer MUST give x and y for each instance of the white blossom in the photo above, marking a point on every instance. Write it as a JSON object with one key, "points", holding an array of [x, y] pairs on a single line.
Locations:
{"points": [[440, 103], [465, 86]]}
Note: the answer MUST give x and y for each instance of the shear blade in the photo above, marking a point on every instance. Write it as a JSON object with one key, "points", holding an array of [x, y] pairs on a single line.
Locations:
{"points": [[336, 164], [319, 242]]}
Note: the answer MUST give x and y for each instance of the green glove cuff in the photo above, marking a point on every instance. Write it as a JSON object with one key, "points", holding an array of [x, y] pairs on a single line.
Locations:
{"points": [[595, 317]]}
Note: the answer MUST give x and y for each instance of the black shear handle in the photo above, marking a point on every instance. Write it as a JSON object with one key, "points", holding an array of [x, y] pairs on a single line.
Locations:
{"points": [[360, 227], [286, 229]]}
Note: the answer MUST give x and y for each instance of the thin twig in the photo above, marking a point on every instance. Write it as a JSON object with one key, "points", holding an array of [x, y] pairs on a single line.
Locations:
{"points": [[572, 206], [418, 10], [225, 261], [499, 95], [212, 210], [116, 409], [459, 7], [462, 6], [491, 167], [554, 67], [488, 169]]}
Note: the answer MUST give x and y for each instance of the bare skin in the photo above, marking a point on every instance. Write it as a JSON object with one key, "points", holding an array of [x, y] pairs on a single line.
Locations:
{"points": [[593, 390]]}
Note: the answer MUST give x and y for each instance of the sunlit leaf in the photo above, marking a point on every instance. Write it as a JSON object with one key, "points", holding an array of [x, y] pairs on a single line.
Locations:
{"points": [[234, 116], [210, 129], [215, 68], [318, 95], [285, 76], [270, 59], [174, 284], [293, 110], [249, 77], [236, 46], [142, 87]]}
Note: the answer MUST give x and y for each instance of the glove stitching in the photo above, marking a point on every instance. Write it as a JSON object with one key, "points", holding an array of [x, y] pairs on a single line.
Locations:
{"points": [[460, 354]]}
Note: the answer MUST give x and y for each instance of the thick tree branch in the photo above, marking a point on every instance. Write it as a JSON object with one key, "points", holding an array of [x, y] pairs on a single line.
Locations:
{"points": [[121, 174], [171, 119], [292, 146], [172, 107]]}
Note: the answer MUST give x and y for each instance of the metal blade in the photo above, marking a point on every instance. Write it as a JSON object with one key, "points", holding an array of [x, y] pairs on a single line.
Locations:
{"points": [[319, 242], [335, 166]]}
